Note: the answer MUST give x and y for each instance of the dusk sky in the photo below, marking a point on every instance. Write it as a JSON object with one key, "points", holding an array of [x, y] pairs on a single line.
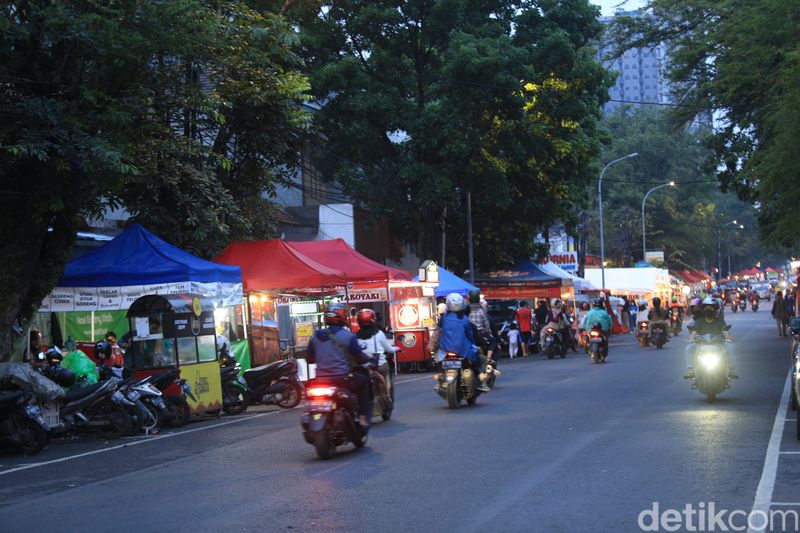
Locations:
{"points": [[609, 6]]}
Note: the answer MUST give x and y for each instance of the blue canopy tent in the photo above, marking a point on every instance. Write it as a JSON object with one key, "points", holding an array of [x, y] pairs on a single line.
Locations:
{"points": [[136, 263], [449, 282], [526, 279]]}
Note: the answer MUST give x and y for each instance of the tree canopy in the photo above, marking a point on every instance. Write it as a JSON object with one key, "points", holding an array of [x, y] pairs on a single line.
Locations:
{"points": [[740, 63], [691, 222], [425, 100], [183, 111]]}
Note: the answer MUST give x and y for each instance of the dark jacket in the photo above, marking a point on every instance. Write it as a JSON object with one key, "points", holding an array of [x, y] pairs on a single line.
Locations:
{"points": [[457, 336], [778, 308], [329, 355]]}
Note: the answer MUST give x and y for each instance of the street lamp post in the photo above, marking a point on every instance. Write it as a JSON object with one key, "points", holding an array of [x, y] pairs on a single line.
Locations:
{"points": [[644, 226], [600, 201]]}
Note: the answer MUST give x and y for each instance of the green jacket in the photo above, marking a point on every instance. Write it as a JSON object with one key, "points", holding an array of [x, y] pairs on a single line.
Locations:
{"points": [[598, 316]]}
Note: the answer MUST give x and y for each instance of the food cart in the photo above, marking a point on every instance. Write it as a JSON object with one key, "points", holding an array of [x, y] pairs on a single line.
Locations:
{"points": [[177, 331]]}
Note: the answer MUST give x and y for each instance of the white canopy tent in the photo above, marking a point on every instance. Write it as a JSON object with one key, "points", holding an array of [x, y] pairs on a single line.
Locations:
{"points": [[632, 280], [580, 284]]}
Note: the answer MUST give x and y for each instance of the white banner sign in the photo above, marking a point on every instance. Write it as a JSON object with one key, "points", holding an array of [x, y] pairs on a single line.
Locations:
{"points": [[368, 295], [120, 298]]}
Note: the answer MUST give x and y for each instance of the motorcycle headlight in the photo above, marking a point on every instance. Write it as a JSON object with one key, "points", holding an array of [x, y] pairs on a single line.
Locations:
{"points": [[709, 359]]}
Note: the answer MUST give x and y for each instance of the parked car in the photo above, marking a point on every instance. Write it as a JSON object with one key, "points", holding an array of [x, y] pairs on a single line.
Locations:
{"points": [[763, 290]]}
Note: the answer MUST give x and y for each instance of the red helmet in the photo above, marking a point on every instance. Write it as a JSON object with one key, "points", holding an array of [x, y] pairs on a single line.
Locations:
{"points": [[336, 315], [366, 317]]}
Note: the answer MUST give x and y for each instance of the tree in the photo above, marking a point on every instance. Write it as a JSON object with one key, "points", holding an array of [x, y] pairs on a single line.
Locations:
{"points": [[740, 62], [109, 102], [427, 100], [692, 222]]}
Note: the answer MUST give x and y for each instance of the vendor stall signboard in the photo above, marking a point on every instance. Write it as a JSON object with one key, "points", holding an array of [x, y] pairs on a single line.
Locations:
{"points": [[407, 316], [302, 334], [367, 295], [567, 261]]}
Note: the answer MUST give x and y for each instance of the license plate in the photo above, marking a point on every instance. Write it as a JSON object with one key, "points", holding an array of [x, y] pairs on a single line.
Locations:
{"points": [[595, 341], [320, 405], [451, 364]]}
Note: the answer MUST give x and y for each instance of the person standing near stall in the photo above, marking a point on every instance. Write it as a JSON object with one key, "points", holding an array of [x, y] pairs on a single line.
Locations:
{"points": [[523, 318]]}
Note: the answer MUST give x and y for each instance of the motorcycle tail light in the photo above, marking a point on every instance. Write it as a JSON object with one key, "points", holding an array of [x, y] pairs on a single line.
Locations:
{"points": [[320, 391], [594, 334], [550, 330]]}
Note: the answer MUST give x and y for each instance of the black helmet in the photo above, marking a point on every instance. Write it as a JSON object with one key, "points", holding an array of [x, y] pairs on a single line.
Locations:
{"points": [[474, 296], [656, 302], [102, 349], [600, 303], [54, 355]]}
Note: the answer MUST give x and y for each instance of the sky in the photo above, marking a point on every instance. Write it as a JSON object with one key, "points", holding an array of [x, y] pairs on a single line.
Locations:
{"points": [[609, 6]]}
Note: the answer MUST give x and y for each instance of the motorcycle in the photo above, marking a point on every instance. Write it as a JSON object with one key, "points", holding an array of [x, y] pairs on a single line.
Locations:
{"points": [[734, 305], [331, 419], [384, 400], [710, 366], [754, 305], [147, 405], [658, 336], [98, 407], [742, 304], [598, 345], [643, 333], [274, 383], [22, 426], [552, 343], [677, 324], [457, 381], [173, 409]]}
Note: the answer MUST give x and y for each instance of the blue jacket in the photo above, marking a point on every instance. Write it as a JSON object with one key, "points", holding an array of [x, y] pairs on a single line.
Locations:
{"points": [[331, 362], [457, 336]]}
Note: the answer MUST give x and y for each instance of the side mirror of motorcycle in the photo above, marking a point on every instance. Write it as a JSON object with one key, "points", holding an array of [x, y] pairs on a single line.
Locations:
{"points": [[690, 327], [727, 327]]}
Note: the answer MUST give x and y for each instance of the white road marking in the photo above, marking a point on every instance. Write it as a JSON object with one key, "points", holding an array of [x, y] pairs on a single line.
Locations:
{"points": [[785, 504], [789, 453], [766, 485], [136, 443]]}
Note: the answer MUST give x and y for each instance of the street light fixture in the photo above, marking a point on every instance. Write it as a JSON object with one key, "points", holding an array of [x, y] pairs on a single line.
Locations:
{"points": [[644, 226], [600, 201]]}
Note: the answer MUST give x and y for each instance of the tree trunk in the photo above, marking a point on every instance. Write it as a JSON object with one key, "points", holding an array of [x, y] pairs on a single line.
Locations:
{"points": [[32, 260]]}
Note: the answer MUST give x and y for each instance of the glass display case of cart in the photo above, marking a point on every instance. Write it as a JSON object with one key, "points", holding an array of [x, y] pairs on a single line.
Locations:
{"points": [[177, 330]]}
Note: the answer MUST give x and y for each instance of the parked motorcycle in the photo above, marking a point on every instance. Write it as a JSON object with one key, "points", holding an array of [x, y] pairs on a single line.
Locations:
{"points": [[658, 335], [173, 407], [331, 419], [552, 343], [710, 366], [22, 426], [643, 333], [457, 381], [99, 407], [147, 405], [274, 383], [598, 345]]}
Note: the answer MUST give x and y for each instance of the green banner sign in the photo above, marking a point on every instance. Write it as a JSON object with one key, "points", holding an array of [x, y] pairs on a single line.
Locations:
{"points": [[81, 325]]}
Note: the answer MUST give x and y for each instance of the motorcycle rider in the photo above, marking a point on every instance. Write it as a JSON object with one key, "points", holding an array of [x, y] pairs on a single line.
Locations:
{"points": [[659, 315], [641, 314], [480, 319], [676, 309], [711, 322], [457, 336], [338, 356], [599, 315], [557, 319], [374, 344]]}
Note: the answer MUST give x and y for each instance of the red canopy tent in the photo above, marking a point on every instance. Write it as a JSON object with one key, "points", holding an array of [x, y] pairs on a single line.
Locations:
{"points": [[273, 264], [339, 255], [771, 270]]}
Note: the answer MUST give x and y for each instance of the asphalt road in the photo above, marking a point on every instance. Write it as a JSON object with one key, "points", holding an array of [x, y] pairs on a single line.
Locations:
{"points": [[559, 445]]}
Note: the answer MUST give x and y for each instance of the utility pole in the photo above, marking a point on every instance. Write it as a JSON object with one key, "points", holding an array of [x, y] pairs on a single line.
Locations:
{"points": [[444, 235], [469, 239]]}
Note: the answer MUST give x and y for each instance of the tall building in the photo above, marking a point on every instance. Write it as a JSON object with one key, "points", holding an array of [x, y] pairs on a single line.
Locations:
{"points": [[641, 74]]}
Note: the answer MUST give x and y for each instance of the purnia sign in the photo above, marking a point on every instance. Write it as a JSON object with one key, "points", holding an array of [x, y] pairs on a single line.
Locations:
{"points": [[566, 261]]}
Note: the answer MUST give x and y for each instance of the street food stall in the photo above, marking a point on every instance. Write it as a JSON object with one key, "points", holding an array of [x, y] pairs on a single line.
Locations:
{"points": [[177, 331], [96, 289], [525, 281]]}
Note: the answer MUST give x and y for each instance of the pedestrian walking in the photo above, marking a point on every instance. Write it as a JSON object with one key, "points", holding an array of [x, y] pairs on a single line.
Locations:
{"points": [[779, 313], [513, 340], [633, 309]]}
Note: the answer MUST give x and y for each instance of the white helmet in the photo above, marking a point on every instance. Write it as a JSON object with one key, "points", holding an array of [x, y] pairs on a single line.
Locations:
{"points": [[710, 300], [455, 302]]}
